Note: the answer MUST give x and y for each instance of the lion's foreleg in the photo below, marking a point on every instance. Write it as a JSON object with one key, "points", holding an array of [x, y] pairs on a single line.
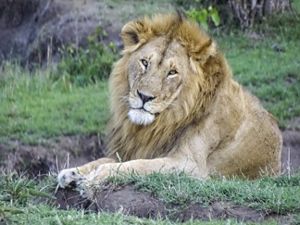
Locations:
{"points": [[145, 166], [88, 167]]}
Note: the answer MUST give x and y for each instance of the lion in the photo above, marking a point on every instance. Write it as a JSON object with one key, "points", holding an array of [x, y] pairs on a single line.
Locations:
{"points": [[176, 107]]}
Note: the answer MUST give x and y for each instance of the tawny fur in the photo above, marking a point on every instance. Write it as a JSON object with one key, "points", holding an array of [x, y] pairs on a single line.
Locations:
{"points": [[215, 127]]}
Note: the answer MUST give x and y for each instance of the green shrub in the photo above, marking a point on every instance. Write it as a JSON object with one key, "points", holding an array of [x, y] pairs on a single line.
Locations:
{"points": [[83, 66], [204, 16], [201, 11]]}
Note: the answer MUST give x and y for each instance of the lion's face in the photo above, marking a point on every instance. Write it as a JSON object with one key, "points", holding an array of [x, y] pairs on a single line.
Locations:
{"points": [[168, 63], [155, 74]]}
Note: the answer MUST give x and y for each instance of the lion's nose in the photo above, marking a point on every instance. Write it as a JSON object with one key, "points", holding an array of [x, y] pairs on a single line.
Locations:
{"points": [[145, 98]]}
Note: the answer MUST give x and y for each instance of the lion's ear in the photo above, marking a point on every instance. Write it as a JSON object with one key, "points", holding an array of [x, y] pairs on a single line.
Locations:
{"points": [[203, 52], [131, 33]]}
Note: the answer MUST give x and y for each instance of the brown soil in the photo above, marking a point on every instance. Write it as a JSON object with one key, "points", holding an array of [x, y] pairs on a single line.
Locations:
{"points": [[123, 199]]}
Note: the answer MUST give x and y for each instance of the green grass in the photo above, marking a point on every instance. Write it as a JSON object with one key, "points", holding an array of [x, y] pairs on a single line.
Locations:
{"points": [[180, 189], [296, 5], [37, 215], [274, 77], [46, 215], [33, 106]]}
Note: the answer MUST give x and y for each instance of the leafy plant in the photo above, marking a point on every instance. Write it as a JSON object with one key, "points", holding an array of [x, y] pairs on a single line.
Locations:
{"points": [[203, 16], [83, 66], [201, 11]]}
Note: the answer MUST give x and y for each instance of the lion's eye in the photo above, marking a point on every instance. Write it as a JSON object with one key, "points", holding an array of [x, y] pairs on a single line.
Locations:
{"points": [[172, 72], [145, 63]]}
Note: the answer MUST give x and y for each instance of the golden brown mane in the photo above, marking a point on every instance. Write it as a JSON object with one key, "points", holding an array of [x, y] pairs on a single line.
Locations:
{"points": [[125, 138]]}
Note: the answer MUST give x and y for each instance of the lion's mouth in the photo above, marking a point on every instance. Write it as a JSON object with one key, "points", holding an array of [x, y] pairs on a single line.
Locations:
{"points": [[140, 116], [143, 110]]}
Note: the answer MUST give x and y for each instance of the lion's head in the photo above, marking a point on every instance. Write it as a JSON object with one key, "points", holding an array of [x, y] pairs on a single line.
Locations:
{"points": [[164, 54], [169, 72]]}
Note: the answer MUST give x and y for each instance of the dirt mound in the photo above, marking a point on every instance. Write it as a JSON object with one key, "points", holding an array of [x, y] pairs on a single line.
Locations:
{"points": [[125, 199], [129, 201]]}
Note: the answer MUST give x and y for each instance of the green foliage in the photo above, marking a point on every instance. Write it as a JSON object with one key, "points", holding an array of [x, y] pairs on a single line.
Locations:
{"points": [[83, 66], [204, 16], [200, 12]]}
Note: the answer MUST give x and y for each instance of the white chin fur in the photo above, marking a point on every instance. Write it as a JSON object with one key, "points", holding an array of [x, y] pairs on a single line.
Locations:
{"points": [[140, 117]]}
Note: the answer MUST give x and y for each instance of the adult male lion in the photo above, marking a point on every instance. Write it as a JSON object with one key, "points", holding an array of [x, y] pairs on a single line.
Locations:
{"points": [[175, 107]]}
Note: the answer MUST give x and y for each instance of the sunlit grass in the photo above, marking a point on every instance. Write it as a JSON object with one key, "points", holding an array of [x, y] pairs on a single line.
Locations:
{"points": [[33, 106]]}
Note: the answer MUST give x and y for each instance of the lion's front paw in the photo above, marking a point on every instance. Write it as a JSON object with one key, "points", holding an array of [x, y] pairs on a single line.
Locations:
{"points": [[89, 186], [85, 189], [69, 177]]}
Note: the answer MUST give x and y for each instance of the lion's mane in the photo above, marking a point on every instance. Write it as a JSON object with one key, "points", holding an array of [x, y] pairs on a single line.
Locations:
{"points": [[129, 141]]}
